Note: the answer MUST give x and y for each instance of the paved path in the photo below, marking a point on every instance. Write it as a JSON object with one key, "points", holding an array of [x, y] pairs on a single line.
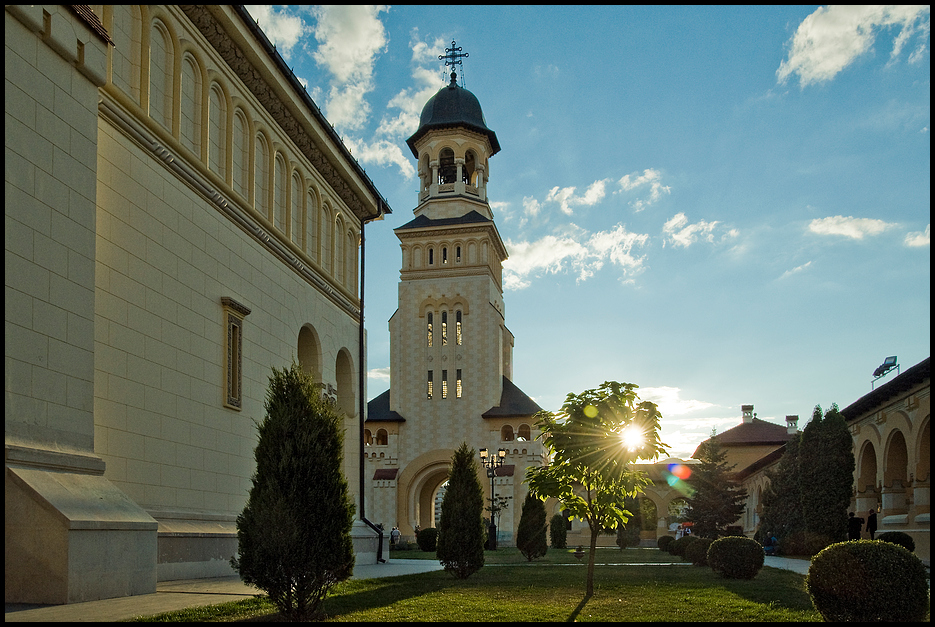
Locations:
{"points": [[178, 595]]}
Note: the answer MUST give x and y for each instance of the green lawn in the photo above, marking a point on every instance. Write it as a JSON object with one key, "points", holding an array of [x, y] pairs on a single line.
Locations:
{"points": [[510, 589]]}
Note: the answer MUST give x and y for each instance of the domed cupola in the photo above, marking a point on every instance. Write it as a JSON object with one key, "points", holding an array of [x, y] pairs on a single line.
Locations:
{"points": [[453, 107]]}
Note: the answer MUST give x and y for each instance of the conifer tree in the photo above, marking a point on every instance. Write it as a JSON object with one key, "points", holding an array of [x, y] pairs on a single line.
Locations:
{"points": [[530, 535], [460, 547], [782, 499], [718, 500], [826, 474], [293, 535]]}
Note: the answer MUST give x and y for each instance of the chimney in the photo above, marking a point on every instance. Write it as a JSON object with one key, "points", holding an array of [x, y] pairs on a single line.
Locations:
{"points": [[747, 413], [792, 424]]}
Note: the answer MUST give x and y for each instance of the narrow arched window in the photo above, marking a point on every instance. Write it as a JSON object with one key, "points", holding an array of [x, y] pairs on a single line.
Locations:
{"points": [[506, 433], [446, 166], [444, 384], [458, 387], [431, 256], [296, 210], [430, 328], [261, 177], [382, 437], [368, 438], [279, 194], [217, 131], [161, 66], [429, 391], [444, 328], [458, 328], [240, 153], [444, 255], [467, 171], [458, 255], [191, 106]]}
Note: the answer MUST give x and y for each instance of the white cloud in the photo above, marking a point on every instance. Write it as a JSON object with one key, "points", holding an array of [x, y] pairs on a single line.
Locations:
{"points": [[583, 253], [283, 30], [649, 177], [349, 39], [680, 233], [855, 228], [917, 238], [795, 270], [566, 198], [380, 152], [669, 402], [832, 37], [381, 374]]}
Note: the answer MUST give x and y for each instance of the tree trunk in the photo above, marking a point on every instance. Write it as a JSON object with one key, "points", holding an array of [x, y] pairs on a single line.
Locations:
{"points": [[590, 587]]}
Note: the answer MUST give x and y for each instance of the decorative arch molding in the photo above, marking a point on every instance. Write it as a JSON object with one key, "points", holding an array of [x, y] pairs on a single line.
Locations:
{"points": [[444, 303], [415, 478]]}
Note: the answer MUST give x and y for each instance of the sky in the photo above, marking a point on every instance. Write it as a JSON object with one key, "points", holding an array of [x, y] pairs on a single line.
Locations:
{"points": [[722, 205]]}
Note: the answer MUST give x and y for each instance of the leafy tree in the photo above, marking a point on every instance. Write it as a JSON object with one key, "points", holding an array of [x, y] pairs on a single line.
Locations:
{"points": [[628, 534], [593, 440], [530, 535], [718, 500], [782, 499], [826, 475], [293, 535], [460, 547]]}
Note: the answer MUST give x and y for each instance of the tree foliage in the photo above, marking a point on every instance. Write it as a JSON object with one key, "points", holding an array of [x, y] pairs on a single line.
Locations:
{"points": [[826, 475], [293, 535], [782, 500], [460, 547], [591, 468], [718, 500], [530, 535]]}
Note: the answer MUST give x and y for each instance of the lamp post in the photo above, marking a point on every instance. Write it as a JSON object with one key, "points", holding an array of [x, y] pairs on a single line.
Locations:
{"points": [[491, 463]]}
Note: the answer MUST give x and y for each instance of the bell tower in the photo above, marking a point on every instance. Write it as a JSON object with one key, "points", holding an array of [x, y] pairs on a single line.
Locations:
{"points": [[450, 349]]}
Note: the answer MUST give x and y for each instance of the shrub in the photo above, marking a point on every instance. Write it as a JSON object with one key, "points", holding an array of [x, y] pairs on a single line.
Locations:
{"points": [[663, 542], [530, 535], [697, 552], [866, 580], [898, 537], [558, 532], [736, 557], [427, 539], [678, 547], [294, 534], [459, 541]]}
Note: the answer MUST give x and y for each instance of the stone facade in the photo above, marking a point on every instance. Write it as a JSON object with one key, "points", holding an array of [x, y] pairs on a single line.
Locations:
{"points": [[180, 218]]}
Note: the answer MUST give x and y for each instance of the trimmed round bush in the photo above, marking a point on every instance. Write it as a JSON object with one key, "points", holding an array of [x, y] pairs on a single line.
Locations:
{"points": [[898, 537], [697, 552], [678, 547], [663, 542], [427, 539], [736, 557], [867, 580]]}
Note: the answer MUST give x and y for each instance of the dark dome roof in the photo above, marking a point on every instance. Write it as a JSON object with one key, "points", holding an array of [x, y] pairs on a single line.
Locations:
{"points": [[451, 107]]}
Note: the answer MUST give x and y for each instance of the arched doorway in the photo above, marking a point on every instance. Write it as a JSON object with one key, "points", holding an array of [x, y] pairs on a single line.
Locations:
{"points": [[309, 351], [895, 481], [344, 373]]}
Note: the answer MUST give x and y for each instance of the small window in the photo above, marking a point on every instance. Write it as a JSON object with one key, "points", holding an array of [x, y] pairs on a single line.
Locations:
{"points": [[444, 328], [458, 387], [368, 438], [444, 384], [429, 395], [458, 254], [458, 328], [444, 256], [430, 328], [506, 433], [234, 314], [431, 256], [381, 437], [523, 433]]}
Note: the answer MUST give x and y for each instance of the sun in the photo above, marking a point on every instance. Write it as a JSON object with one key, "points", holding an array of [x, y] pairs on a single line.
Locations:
{"points": [[632, 438]]}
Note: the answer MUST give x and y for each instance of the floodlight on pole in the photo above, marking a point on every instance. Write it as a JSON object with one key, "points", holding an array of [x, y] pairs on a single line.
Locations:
{"points": [[883, 369]]}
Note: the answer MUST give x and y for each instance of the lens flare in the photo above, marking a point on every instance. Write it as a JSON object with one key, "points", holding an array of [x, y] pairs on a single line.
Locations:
{"points": [[632, 437], [680, 470], [590, 411]]}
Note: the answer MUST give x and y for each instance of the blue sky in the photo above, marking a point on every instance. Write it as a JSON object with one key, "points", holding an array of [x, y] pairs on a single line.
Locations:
{"points": [[725, 206]]}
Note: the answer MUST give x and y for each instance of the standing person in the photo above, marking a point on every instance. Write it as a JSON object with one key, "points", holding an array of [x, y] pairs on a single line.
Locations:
{"points": [[854, 525], [394, 536], [871, 522]]}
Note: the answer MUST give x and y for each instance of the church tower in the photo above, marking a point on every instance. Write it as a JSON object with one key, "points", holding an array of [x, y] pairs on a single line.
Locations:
{"points": [[450, 349]]}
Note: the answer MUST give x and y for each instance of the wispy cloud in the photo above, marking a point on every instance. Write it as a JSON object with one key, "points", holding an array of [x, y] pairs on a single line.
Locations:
{"points": [[832, 37], [282, 29], [583, 252], [566, 198], [855, 228], [917, 238], [381, 374], [795, 270], [650, 177], [679, 232], [669, 401]]}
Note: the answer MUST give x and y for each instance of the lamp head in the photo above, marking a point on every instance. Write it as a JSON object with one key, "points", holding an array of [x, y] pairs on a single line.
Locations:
{"points": [[483, 453], [501, 453]]}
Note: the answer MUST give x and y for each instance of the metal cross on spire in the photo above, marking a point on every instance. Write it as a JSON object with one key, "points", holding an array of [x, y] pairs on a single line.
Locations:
{"points": [[453, 57]]}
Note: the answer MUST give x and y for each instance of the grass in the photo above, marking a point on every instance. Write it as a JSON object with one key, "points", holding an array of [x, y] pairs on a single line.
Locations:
{"points": [[509, 588]]}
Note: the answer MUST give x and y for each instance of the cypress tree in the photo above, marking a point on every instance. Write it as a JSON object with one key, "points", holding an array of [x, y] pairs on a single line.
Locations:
{"points": [[718, 500], [826, 473], [293, 535], [558, 531], [782, 499], [530, 535], [460, 547]]}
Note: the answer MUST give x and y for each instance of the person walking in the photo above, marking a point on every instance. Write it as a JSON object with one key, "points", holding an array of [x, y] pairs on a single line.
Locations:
{"points": [[871, 522], [394, 536], [854, 525]]}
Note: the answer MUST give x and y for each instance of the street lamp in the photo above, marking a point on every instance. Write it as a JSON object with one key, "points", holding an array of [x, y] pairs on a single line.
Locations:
{"points": [[491, 463]]}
